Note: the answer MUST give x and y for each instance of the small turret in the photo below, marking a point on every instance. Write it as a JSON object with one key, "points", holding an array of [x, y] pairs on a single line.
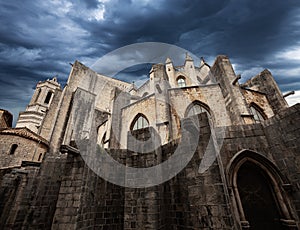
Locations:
{"points": [[202, 61], [189, 69], [189, 62], [170, 71]]}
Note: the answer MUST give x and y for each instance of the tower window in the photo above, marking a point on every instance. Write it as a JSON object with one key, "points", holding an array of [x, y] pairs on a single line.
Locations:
{"points": [[48, 97], [140, 122], [181, 82], [38, 95], [257, 113], [13, 149]]}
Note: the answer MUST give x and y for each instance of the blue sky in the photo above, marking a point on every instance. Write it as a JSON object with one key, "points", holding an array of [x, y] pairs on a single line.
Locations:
{"points": [[38, 39]]}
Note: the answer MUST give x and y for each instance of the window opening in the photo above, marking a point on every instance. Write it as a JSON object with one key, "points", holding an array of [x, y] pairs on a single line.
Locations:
{"points": [[140, 122], [38, 95], [257, 114], [181, 82], [48, 97], [13, 149], [40, 157]]}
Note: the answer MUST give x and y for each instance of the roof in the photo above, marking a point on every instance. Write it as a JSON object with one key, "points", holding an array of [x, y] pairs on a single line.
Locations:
{"points": [[26, 133]]}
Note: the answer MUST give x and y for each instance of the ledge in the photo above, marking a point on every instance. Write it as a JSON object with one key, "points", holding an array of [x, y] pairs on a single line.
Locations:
{"points": [[30, 163], [287, 187], [69, 150], [289, 223]]}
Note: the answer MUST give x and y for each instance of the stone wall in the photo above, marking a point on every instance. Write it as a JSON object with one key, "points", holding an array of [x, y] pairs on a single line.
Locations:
{"points": [[87, 201], [283, 132], [28, 196], [63, 193], [25, 150]]}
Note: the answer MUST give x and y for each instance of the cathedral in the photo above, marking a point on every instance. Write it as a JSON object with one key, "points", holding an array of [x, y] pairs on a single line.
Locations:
{"points": [[191, 148]]}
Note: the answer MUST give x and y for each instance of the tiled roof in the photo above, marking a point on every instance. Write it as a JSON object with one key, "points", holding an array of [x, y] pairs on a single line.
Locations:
{"points": [[26, 133]]}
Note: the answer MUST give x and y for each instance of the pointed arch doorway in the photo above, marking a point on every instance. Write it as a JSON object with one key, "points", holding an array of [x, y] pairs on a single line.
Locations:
{"points": [[258, 193], [257, 198]]}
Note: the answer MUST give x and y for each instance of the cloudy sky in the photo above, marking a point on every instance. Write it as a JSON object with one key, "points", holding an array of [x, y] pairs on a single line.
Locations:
{"points": [[38, 39]]}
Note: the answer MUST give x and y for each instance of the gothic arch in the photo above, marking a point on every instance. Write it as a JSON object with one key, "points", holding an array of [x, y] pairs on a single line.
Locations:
{"points": [[181, 81], [257, 112], [204, 106], [139, 121], [277, 183], [186, 78]]}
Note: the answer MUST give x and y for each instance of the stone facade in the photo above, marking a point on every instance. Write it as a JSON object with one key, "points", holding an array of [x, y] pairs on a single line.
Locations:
{"points": [[19, 145], [251, 181]]}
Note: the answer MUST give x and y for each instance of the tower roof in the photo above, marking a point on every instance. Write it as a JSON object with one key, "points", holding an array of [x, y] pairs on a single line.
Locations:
{"points": [[26, 133]]}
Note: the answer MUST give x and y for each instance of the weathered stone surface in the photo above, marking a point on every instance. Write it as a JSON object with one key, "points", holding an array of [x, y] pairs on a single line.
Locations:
{"points": [[57, 190]]}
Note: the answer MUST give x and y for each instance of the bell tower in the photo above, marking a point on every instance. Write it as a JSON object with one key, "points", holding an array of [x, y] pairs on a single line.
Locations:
{"points": [[39, 105]]}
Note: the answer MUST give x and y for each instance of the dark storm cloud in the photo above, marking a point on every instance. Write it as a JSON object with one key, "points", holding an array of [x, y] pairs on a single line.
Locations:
{"points": [[91, 4], [127, 22], [38, 39]]}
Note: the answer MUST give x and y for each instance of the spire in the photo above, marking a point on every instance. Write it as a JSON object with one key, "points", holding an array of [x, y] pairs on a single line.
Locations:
{"points": [[54, 78], [168, 60], [202, 62], [188, 57]]}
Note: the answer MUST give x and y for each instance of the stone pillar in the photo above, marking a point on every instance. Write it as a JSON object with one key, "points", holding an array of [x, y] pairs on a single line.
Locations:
{"points": [[235, 104]]}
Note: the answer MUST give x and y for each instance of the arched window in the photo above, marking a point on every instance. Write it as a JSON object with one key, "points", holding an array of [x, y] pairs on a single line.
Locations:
{"points": [[257, 112], [13, 149], [139, 122], [181, 81], [196, 108], [48, 97], [158, 88]]}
